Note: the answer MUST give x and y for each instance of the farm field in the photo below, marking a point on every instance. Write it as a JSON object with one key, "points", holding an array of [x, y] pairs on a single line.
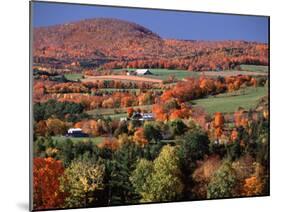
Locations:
{"points": [[136, 90], [233, 73], [254, 68], [229, 102], [95, 140], [121, 78], [116, 113], [116, 116], [73, 77], [164, 74]]}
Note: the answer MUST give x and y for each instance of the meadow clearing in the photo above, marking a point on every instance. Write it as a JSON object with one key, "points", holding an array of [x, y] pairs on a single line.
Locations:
{"points": [[229, 102]]}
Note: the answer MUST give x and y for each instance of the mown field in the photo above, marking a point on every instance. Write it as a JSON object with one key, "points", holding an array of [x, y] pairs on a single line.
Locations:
{"points": [[95, 140], [122, 78], [229, 73], [73, 77], [254, 68], [229, 102], [135, 90], [116, 113], [163, 74]]}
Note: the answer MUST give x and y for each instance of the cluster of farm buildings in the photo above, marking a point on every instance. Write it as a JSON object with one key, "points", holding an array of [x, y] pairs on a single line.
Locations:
{"points": [[77, 132]]}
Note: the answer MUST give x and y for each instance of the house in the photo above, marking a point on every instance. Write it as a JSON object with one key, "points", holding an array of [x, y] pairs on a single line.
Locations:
{"points": [[143, 116], [123, 119], [143, 72], [76, 132]]}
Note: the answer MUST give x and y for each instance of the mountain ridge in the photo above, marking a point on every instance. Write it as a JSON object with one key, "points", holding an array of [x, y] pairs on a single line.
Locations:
{"points": [[120, 43]]}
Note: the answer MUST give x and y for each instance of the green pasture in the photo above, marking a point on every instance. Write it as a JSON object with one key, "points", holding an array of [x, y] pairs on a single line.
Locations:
{"points": [[73, 77], [255, 68], [163, 74], [116, 113], [95, 140], [229, 102]]}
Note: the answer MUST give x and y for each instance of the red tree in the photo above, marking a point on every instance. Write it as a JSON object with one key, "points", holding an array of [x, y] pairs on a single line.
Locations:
{"points": [[46, 174]]}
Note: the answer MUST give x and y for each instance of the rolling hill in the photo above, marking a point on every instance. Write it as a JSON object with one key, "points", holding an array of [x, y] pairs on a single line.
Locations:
{"points": [[118, 43], [96, 38]]}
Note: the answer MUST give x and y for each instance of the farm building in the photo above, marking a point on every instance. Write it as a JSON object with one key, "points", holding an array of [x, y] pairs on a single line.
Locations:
{"points": [[139, 72], [143, 116], [143, 72], [76, 132]]}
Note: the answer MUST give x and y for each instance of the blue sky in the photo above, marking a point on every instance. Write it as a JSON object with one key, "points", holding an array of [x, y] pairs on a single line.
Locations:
{"points": [[167, 24]]}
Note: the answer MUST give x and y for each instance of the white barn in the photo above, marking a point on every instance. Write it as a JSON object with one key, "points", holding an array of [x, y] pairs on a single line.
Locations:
{"points": [[143, 72], [74, 130]]}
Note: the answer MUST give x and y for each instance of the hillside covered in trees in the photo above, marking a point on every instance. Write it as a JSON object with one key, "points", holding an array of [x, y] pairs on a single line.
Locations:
{"points": [[113, 43]]}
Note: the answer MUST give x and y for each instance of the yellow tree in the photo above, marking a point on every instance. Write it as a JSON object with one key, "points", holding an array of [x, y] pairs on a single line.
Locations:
{"points": [[81, 181]]}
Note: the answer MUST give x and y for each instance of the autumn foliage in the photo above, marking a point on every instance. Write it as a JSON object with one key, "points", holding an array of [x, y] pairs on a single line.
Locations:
{"points": [[140, 46], [252, 186], [139, 137], [143, 141], [46, 183], [109, 143]]}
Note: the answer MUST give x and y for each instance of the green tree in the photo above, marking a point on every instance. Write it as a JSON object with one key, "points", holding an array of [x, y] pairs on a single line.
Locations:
{"points": [[152, 131], [144, 169], [223, 182], [119, 167], [65, 153], [118, 170], [194, 146], [41, 145], [159, 180], [82, 181], [178, 127], [233, 151], [53, 108]]}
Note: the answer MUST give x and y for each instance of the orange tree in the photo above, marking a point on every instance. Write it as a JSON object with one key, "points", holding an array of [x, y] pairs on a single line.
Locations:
{"points": [[46, 174]]}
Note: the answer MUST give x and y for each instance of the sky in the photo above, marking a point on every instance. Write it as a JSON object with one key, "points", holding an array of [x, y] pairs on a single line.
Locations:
{"points": [[167, 24]]}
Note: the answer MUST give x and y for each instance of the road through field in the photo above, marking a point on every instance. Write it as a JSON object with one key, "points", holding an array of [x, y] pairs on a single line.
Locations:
{"points": [[121, 77]]}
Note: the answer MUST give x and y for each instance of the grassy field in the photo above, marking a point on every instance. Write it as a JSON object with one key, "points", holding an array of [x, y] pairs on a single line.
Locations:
{"points": [[73, 77], [163, 74], [229, 102], [124, 78], [116, 113], [117, 116], [229, 73], [95, 140], [254, 68], [136, 90]]}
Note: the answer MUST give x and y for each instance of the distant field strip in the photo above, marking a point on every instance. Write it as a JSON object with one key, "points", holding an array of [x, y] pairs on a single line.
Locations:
{"points": [[255, 68], [94, 140], [233, 73], [116, 113], [164, 74], [122, 78], [73, 77]]}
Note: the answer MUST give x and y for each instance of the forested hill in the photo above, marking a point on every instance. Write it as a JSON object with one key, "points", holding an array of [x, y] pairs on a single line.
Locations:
{"points": [[95, 38], [120, 44]]}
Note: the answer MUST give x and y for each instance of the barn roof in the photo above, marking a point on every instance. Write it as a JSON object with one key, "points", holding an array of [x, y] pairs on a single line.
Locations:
{"points": [[71, 130], [142, 71]]}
